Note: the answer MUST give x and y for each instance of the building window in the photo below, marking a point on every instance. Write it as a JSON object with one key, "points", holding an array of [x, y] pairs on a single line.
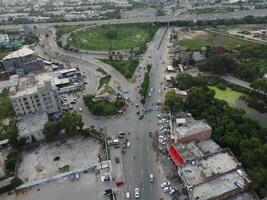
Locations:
{"points": [[28, 107]]}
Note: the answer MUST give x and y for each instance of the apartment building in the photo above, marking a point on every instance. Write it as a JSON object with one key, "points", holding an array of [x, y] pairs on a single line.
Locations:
{"points": [[33, 93], [23, 61]]}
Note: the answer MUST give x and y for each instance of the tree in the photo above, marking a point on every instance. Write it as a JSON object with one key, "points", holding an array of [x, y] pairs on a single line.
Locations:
{"points": [[52, 129], [198, 100], [173, 101], [72, 122], [15, 182], [260, 84], [220, 64]]}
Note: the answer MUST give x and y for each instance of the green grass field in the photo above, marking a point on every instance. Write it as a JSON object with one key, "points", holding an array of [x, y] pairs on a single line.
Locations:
{"points": [[126, 68], [111, 37], [228, 95], [211, 39]]}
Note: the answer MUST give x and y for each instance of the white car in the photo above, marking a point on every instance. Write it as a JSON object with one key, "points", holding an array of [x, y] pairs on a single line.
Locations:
{"points": [[159, 91], [167, 189], [136, 193], [165, 184], [128, 144], [80, 109], [128, 196]]}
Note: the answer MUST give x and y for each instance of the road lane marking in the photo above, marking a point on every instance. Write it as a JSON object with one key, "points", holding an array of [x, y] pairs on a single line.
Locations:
{"points": [[151, 188], [142, 172]]}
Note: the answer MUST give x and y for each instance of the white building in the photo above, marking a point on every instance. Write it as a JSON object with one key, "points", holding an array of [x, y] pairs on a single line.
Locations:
{"points": [[4, 38], [33, 93]]}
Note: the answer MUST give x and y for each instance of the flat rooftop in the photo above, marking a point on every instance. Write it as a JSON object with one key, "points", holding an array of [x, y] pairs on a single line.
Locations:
{"points": [[209, 167], [19, 53], [208, 146], [197, 149], [189, 151], [26, 85], [219, 186], [191, 127]]}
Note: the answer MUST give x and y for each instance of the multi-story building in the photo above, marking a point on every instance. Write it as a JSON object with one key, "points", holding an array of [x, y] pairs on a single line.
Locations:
{"points": [[22, 61], [32, 94]]}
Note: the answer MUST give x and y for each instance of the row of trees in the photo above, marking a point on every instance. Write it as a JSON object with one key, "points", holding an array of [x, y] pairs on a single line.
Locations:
{"points": [[71, 122], [145, 85]]}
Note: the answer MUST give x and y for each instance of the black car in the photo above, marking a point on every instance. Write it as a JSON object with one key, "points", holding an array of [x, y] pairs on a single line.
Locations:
{"points": [[141, 116]]}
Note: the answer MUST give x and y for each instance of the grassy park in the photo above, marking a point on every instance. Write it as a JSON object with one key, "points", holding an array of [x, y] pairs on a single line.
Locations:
{"points": [[112, 37], [228, 95]]}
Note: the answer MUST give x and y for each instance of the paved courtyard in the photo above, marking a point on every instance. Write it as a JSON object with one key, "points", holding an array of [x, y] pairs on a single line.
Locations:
{"points": [[45, 160]]}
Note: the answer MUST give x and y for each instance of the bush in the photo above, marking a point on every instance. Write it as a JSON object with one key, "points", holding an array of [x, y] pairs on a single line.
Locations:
{"points": [[221, 86], [11, 160], [103, 107], [15, 182]]}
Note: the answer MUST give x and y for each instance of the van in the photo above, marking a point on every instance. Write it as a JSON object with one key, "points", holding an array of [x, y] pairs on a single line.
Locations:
{"points": [[151, 178]]}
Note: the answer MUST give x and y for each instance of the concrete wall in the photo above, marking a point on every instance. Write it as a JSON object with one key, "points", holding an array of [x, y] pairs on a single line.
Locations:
{"points": [[202, 135]]}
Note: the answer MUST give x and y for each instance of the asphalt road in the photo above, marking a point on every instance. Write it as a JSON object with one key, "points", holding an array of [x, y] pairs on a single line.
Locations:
{"points": [[182, 17], [140, 160]]}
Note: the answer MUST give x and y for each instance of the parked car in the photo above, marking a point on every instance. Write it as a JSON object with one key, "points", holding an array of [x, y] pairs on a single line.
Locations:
{"points": [[165, 184], [172, 191], [136, 193], [167, 189]]}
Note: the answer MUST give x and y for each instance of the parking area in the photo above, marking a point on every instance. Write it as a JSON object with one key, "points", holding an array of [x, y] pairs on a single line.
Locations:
{"points": [[57, 157], [171, 186], [88, 186]]}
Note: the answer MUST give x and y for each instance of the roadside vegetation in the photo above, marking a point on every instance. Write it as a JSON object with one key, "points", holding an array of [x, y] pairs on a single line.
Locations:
{"points": [[6, 108], [63, 29], [113, 37], [104, 80], [31, 39], [210, 10], [125, 67], [104, 107], [144, 88], [231, 128]]}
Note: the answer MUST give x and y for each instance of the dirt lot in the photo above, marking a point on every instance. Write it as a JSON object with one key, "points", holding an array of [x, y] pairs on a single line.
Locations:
{"points": [[75, 152]]}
